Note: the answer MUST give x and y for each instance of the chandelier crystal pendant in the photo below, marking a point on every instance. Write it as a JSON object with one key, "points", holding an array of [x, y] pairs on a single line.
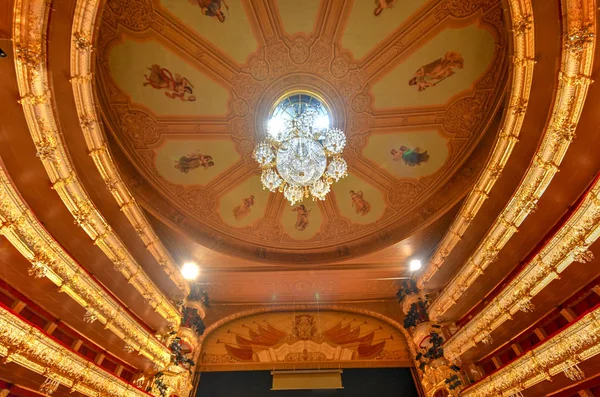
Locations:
{"points": [[302, 155]]}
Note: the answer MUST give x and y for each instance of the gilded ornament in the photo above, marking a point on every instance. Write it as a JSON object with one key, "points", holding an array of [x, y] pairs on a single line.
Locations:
{"points": [[523, 25], [32, 99], [29, 55], [82, 41], [578, 39]]}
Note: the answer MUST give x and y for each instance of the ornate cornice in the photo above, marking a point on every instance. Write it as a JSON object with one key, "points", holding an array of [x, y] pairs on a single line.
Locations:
{"points": [[573, 82], [560, 353], [570, 244], [48, 259], [30, 348], [30, 26], [522, 77], [81, 71]]}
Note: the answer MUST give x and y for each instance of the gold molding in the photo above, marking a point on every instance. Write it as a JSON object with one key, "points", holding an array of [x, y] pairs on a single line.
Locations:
{"points": [[48, 259], [81, 70], [522, 76], [30, 25], [30, 348], [577, 343], [568, 105], [570, 244]]}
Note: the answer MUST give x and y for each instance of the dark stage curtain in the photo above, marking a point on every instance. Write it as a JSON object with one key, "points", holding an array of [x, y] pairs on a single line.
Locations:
{"points": [[371, 382]]}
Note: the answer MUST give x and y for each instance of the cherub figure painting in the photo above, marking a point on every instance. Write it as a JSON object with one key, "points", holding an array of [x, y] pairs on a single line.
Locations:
{"points": [[212, 8], [192, 161], [410, 157], [302, 218], [435, 72], [243, 210], [361, 205], [381, 5], [176, 86]]}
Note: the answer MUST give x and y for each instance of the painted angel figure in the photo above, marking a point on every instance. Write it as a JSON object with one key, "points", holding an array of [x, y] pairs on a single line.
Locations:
{"points": [[302, 218], [192, 161], [435, 72], [176, 86], [243, 210], [212, 8], [361, 205], [383, 4], [410, 157]]}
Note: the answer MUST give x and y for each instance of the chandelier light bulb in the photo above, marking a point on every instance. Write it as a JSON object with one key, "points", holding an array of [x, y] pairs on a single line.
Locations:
{"points": [[302, 155], [415, 265], [263, 154], [190, 271], [271, 180]]}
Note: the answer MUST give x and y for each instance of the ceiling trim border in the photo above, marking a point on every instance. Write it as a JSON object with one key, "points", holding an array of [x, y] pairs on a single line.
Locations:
{"points": [[30, 33], [522, 77], [579, 21]]}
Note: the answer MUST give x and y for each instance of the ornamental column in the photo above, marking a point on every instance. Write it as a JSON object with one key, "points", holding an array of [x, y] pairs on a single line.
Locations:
{"points": [[437, 373]]}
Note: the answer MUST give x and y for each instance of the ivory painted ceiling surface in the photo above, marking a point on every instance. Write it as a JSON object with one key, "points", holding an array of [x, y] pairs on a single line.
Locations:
{"points": [[186, 87]]}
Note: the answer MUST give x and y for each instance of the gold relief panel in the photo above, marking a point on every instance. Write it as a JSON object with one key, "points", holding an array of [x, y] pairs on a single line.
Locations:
{"points": [[324, 338]]}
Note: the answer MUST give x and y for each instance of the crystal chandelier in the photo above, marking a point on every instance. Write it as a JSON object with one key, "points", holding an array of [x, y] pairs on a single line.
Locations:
{"points": [[302, 155]]}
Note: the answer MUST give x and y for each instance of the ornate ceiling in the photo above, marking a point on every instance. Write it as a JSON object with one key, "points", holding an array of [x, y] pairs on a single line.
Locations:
{"points": [[186, 88]]}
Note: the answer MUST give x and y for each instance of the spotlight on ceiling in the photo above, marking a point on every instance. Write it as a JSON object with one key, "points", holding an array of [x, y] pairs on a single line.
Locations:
{"points": [[190, 271], [3, 54], [415, 264]]}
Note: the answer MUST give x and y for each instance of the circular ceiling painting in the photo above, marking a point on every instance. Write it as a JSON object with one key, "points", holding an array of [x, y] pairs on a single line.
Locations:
{"points": [[187, 89]]}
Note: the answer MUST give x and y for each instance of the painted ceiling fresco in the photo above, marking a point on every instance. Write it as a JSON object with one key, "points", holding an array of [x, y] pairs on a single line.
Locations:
{"points": [[297, 338], [186, 87]]}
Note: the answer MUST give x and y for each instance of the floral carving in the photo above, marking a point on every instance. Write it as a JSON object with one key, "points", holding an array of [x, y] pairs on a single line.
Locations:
{"points": [[299, 50], [133, 14], [259, 69], [463, 8], [239, 107], [141, 129], [335, 229], [404, 194], [268, 229], [361, 103], [340, 66], [200, 200], [463, 116]]}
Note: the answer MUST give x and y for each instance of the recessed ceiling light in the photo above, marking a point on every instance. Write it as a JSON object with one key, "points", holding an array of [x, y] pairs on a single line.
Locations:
{"points": [[415, 264], [190, 271]]}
